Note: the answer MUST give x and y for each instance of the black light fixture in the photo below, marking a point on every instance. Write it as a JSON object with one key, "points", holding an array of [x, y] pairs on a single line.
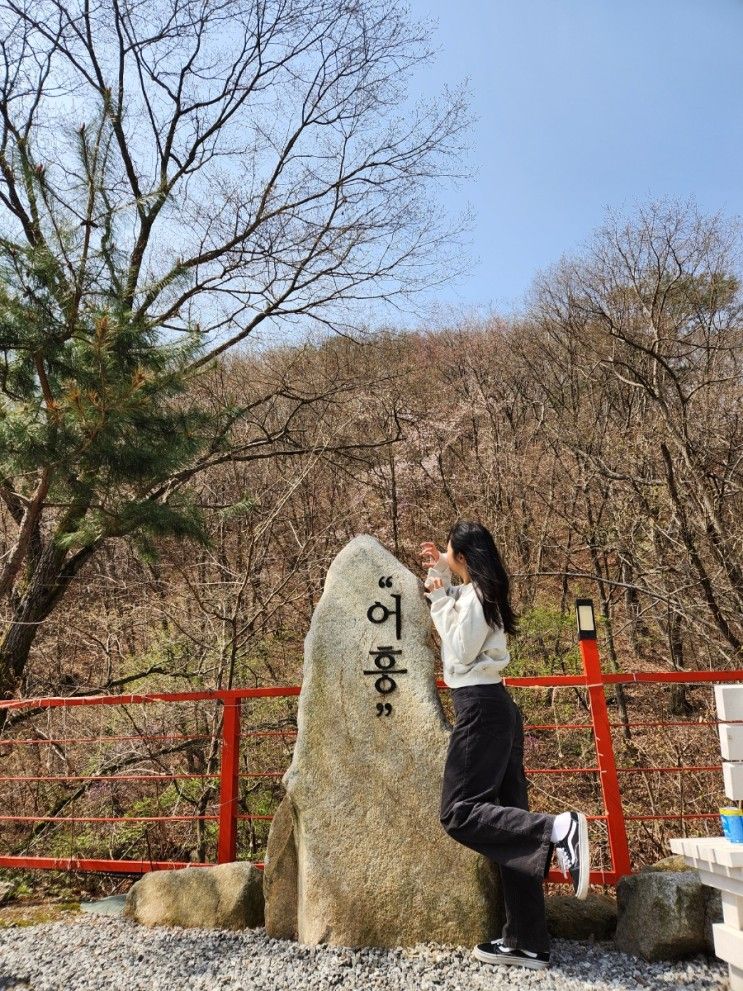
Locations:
{"points": [[585, 618]]}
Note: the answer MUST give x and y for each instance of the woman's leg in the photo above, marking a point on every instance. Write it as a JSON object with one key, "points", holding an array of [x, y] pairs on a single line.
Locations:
{"points": [[526, 919], [478, 761]]}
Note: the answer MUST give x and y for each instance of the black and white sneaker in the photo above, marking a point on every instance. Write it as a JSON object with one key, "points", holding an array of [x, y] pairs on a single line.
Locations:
{"points": [[495, 952], [573, 856]]}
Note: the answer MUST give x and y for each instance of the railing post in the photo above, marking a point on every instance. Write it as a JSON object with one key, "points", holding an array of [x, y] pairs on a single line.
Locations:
{"points": [[616, 825], [229, 781]]}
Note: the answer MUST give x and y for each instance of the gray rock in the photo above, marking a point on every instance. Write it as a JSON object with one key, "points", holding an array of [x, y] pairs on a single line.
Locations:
{"points": [[713, 904], [594, 917], [227, 896], [375, 868], [661, 914]]}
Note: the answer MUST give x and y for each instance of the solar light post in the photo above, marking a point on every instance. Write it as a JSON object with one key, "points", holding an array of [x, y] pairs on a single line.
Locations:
{"points": [[615, 825], [585, 619]]}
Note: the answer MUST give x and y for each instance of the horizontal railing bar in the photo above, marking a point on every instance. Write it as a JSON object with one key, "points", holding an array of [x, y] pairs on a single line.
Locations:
{"points": [[134, 777], [268, 732], [560, 726], [114, 866], [106, 818], [688, 723], [672, 770], [141, 738], [280, 774], [561, 770], [10, 741], [234, 695], [100, 739], [157, 818], [671, 677], [678, 815]]}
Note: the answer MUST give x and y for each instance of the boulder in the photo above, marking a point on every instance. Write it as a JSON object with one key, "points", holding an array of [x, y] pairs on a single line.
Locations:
{"points": [[594, 917], [227, 896], [374, 866]]}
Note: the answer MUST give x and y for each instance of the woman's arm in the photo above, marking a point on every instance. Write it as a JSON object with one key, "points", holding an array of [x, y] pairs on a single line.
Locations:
{"points": [[461, 624], [441, 570]]}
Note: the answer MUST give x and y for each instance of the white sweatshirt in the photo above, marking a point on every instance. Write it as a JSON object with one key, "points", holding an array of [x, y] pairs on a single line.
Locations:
{"points": [[472, 651]]}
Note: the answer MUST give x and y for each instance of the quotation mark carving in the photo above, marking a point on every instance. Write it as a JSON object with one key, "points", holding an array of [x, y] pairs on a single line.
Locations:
{"points": [[384, 707], [385, 582]]}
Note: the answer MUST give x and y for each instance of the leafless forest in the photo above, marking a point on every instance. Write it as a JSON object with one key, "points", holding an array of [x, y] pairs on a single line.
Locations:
{"points": [[599, 435]]}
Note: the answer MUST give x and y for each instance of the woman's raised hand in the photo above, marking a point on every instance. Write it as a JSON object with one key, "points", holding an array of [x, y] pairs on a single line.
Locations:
{"points": [[430, 553]]}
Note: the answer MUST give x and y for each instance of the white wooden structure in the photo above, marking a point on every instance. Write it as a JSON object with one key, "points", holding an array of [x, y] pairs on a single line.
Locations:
{"points": [[720, 865], [718, 860]]}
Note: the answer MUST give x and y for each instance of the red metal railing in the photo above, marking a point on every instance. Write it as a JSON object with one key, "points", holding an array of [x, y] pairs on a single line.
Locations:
{"points": [[592, 679]]}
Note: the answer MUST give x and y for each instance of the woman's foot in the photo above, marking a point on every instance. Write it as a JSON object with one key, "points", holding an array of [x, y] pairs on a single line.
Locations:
{"points": [[495, 952], [573, 855]]}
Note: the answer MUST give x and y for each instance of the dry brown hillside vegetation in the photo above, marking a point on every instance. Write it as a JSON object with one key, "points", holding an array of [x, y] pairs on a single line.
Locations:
{"points": [[598, 434]]}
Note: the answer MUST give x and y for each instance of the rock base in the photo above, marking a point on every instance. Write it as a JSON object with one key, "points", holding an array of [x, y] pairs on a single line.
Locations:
{"points": [[227, 896]]}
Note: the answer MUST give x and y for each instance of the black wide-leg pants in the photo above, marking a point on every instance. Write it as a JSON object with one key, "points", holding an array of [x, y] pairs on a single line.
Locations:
{"points": [[484, 806]]}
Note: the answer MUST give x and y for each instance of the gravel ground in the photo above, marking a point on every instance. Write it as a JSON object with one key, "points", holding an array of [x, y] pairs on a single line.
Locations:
{"points": [[89, 952]]}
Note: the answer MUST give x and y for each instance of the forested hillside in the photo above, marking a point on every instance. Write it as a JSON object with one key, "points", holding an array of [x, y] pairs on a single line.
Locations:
{"points": [[598, 434]]}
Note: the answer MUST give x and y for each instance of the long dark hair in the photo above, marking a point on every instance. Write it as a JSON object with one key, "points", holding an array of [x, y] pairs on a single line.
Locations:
{"points": [[486, 570]]}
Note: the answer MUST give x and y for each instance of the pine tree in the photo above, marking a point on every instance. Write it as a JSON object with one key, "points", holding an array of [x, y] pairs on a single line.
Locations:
{"points": [[95, 419]]}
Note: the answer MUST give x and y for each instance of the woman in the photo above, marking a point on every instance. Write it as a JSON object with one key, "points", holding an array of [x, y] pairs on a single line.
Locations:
{"points": [[484, 802]]}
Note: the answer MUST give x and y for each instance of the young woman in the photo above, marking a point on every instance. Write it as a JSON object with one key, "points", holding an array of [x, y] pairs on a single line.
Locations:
{"points": [[484, 801]]}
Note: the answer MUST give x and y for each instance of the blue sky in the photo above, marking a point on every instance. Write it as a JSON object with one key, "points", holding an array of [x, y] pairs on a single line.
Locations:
{"points": [[583, 105]]}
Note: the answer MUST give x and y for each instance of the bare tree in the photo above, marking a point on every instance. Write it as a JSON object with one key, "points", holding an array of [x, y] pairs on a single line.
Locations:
{"points": [[236, 161], [173, 175], [652, 313]]}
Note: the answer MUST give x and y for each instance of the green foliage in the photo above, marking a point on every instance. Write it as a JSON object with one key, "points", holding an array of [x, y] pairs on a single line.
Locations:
{"points": [[241, 508], [164, 650], [547, 633], [189, 789], [98, 398], [64, 842], [147, 806]]}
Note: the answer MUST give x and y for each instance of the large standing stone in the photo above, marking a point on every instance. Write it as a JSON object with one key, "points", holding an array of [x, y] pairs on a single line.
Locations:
{"points": [[374, 865], [226, 896]]}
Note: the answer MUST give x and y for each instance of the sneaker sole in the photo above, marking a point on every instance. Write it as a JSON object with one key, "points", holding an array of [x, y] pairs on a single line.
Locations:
{"points": [[585, 865], [509, 961]]}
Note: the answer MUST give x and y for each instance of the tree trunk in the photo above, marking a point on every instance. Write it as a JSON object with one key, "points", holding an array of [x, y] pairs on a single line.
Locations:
{"points": [[50, 580], [639, 631]]}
